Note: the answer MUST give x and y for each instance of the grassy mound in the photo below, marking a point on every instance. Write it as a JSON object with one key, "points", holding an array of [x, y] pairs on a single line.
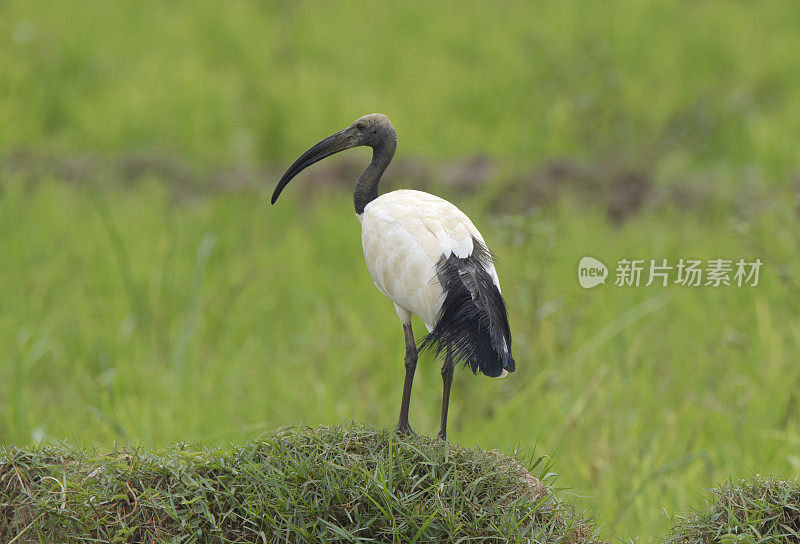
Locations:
{"points": [[757, 511], [306, 485]]}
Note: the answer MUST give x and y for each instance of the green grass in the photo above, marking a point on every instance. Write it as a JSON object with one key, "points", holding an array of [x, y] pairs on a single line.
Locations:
{"points": [[756, 511], [127, 316], [348, 484], [145, 301], [342, 484], [663, 85]]}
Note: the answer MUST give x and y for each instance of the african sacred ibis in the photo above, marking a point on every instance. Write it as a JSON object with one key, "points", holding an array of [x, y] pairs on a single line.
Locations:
{"points": [[427, 256]]}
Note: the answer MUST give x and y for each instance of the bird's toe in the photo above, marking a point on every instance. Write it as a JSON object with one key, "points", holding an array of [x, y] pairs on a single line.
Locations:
{"points": [[405, 429]]}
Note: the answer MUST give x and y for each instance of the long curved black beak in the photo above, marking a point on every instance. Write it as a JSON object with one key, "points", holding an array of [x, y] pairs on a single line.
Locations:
{"points": [[344, 139]]}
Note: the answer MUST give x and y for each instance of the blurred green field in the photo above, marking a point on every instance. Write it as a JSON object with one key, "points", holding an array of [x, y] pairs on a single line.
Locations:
{"points": [[148, 309], [664, 84]]}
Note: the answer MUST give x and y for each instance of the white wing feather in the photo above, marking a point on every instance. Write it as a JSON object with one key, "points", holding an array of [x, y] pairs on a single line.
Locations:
{"points": [[404, 234]]}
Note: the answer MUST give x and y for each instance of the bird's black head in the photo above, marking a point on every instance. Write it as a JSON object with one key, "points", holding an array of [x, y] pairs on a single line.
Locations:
{"points": [[373, 130]]}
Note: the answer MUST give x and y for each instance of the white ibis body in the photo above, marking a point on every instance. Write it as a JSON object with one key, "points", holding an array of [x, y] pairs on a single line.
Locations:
{"points": [[427, 256]]}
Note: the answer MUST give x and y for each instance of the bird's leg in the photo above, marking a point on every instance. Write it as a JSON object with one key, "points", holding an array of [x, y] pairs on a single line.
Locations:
{"points": [[447, 381], [403, 426]]}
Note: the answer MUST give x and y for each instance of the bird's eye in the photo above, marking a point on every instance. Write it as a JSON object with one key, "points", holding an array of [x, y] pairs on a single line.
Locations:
{"points": [[374, 131], [360, 126]]}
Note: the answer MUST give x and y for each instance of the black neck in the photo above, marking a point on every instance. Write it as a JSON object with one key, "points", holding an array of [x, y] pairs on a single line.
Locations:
{"points": [[366, 189]]}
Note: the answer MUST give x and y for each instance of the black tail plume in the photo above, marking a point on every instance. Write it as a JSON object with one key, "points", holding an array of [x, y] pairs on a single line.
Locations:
{"points": [[473, 319]]}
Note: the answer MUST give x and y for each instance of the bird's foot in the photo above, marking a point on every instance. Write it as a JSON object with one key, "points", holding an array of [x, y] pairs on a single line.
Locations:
{"points": [[442, 435], [403, 428]]}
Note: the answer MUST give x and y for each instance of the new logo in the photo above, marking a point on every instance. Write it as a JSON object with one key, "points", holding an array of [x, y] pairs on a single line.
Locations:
{"points": [[591, 272]]}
